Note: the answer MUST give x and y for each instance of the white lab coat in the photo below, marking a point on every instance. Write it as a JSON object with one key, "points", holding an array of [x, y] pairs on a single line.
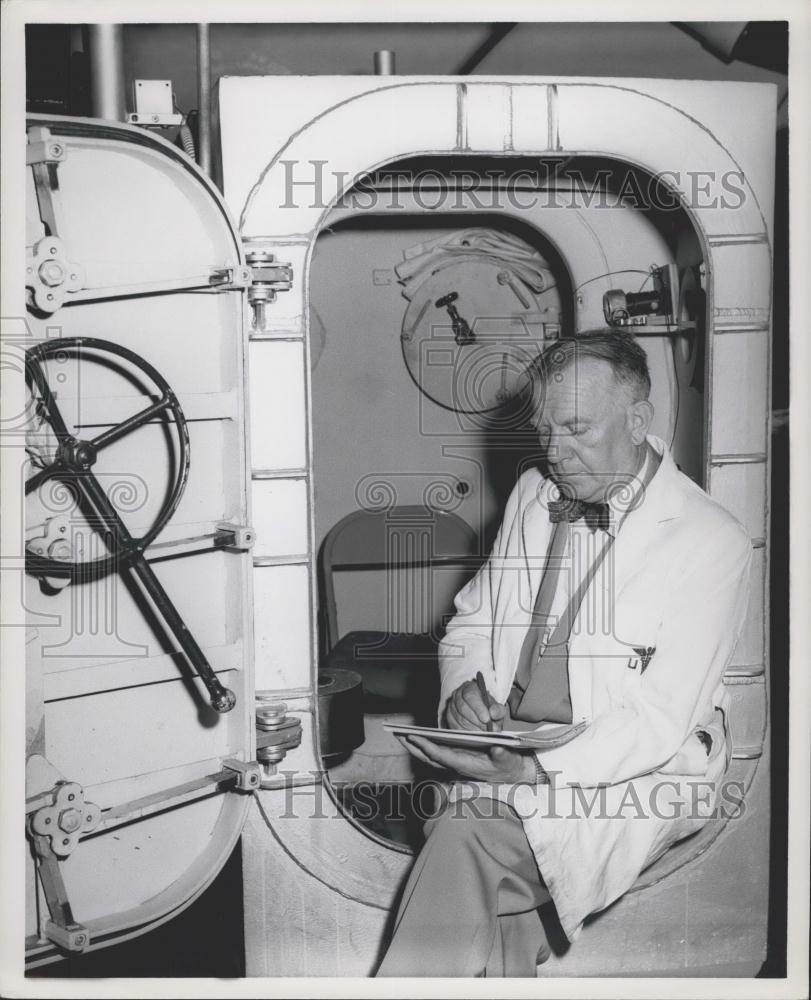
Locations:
{"points": [[676, 580]]}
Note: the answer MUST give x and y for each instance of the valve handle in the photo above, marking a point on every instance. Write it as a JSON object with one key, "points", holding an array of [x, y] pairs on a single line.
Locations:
{"points": [[74, 463], [75, 457], [462, 333]]}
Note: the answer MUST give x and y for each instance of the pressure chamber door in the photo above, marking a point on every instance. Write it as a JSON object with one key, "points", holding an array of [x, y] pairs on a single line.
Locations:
{"points": [[136, 573]]}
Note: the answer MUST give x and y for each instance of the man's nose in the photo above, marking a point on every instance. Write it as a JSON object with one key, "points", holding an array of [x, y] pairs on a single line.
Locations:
{"points": [[557, 447]]}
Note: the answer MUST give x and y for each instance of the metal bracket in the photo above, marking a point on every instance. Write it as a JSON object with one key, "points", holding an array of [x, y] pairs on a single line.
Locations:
{"points": [[50, 275], [55, 830], [71, 937], [65, 820], [44, 154], [61, 929], [250, 773], [42, 147], [227, 278], [154, 105], [242, 537], [53, 542]]}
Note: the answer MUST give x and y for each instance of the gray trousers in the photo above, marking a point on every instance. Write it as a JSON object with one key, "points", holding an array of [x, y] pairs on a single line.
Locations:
{"points": [[469, 907]]}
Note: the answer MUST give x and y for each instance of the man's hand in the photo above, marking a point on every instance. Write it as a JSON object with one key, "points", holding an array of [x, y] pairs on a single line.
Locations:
{"points": [[466, 709], [496, 765]]}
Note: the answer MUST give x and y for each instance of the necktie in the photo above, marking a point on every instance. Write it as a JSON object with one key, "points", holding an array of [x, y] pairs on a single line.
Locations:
{"points": [[557, 707], [541, 687]]}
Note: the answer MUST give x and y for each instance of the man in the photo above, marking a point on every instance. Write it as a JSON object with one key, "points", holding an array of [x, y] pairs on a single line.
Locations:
{"points": [[612, 600]]}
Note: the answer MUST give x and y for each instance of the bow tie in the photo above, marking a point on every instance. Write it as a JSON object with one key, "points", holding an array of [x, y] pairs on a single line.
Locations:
{"points": [[596, 515]]}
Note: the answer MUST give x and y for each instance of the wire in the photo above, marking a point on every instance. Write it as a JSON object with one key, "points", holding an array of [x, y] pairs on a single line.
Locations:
{"points": [[653, 268], [179, 110], [610, 274]]}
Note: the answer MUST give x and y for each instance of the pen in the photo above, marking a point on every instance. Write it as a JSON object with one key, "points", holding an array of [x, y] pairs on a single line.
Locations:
{"points": [[485, 697]]}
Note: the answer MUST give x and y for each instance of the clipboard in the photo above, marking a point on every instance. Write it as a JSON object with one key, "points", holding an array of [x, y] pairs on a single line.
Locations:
{"points": [[547, 738]]}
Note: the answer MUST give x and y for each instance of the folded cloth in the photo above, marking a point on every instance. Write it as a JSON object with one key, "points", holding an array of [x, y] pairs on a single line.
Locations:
{"points": [[519, 257]]}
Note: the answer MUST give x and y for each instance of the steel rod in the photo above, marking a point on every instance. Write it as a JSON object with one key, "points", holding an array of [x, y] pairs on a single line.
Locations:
{"points": [[222, 699], [130, 424]]}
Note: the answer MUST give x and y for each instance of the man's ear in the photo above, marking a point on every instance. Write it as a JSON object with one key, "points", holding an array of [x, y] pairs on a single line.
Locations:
{"points": [[640, 415]]}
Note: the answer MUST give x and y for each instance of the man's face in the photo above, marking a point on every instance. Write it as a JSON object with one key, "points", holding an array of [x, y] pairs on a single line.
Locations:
{"points": [[591, 429]]}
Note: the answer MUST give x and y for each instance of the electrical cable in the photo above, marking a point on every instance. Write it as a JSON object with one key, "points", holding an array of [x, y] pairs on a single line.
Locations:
{"points": [[610, 274], [185, 134], [187, 139], [653, 268]]}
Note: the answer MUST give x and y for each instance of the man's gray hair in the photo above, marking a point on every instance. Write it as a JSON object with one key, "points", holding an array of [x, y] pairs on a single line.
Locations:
{"points": [[618, 348]]}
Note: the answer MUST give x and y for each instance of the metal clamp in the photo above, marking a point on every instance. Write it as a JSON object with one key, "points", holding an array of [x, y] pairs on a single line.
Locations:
{"points": [[249, 774], [61, 929], [55, 830], [240, 537], [44, 154], [42, 147], [66, 819], [50, 275], [53, 542], [226, 278]]}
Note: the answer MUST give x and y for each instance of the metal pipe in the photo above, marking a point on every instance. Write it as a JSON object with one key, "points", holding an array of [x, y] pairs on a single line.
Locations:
{"points": [[107, 71], [384, 62], [204, 98]]}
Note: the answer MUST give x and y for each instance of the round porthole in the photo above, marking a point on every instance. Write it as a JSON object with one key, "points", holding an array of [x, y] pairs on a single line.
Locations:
{"points": [[473, 326]]}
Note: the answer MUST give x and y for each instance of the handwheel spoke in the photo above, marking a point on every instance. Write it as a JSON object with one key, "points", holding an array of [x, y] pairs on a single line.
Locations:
{"points": [[222, 699], [40, 477], [130, 424], [51, 410], [109, 518]]}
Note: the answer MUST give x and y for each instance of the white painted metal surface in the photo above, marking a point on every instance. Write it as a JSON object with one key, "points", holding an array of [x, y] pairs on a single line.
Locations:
{"points": [[112, 705], [282, 177]]}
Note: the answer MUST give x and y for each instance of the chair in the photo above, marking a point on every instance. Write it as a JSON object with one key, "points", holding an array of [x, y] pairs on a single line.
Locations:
{"points": [[418, 547]]}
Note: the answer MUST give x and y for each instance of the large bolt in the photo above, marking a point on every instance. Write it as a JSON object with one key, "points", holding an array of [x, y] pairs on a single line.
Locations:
{"points": [[61, 550], [51, 273], [70, 820]]}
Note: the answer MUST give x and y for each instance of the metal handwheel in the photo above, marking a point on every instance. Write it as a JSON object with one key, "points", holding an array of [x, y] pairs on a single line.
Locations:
{"points": [[72, 465]]}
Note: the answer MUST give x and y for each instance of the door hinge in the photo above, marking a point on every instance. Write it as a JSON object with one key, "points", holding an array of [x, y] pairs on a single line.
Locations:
{"points": [[268, 278], [276, 733]]}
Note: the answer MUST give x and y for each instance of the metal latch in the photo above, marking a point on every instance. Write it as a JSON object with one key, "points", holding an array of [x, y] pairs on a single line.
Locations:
{"points": [[226, 278], [268, 278], [50, 275], [43, 154], [236, 537], [249, 774], [42, 147], [66, 819], [55, 830]]}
